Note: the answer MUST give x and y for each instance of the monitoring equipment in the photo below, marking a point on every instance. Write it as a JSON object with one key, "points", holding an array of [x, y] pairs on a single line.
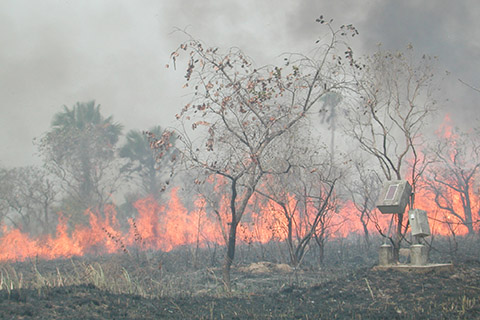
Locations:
{"points": [[419, 223], [394, 196]]}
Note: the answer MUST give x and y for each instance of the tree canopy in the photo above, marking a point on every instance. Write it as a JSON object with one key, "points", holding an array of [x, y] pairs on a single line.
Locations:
{"points": [[79, 150]]}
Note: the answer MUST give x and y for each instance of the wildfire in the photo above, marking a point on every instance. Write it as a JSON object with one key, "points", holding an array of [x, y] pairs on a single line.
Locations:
{"points": [[170, 225], [166, 227]]}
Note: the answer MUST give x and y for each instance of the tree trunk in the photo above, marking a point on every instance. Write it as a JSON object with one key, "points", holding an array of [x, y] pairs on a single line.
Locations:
{"points": [[321, 250], [291, 250], [46, 224], [467, 208], [365, 230], [397, 239], [232, 238]]}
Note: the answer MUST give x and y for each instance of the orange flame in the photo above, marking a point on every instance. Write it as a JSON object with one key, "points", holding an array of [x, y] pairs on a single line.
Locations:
{"points": [[165, 227]]}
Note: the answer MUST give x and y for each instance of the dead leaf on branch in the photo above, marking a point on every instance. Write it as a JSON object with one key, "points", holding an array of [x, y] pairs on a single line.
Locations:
{"points": [[200, 123]]}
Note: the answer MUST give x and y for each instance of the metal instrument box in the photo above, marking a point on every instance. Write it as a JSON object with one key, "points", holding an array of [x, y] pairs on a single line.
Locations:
{"points": [[394, 196], [419, 223]]}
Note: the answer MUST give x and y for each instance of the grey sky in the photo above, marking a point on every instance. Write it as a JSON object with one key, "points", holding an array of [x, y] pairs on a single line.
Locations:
{"points": [[56, 53]]}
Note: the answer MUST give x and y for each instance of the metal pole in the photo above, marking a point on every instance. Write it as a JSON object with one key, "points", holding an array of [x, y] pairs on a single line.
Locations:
{"points": [[389, 229]]}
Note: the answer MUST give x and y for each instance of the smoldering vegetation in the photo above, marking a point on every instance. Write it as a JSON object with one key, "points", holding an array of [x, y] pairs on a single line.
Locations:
{"points": [[187, 284]]}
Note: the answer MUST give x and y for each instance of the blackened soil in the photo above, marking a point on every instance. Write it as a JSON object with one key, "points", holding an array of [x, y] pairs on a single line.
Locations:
{"points": [[361, 294]]}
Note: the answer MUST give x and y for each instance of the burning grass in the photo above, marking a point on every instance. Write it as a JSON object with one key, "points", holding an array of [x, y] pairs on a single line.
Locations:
{"points": [[166, 263], [166, 227]]}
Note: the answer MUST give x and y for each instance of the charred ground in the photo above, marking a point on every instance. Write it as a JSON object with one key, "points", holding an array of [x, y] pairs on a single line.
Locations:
{"points": [[163, 286]]}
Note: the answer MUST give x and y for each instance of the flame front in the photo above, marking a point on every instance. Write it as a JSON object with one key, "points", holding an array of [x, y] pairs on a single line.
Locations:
{"points": [[165, 227]]}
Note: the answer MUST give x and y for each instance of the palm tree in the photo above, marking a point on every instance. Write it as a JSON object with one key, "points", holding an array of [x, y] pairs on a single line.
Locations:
{"points": [[80, 149], [84, 115], [142, 160]]}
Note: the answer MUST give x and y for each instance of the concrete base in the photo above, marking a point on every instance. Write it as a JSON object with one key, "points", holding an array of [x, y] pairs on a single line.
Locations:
{"points": [[418, 255], [437, 268], [385, 255]]}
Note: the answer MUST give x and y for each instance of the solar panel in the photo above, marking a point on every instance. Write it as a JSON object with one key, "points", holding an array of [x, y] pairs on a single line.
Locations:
{"points": [[394, 196], [392, 189]]}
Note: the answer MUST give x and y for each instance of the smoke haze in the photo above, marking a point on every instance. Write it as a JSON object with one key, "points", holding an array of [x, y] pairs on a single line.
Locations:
{"points": [[56, 53]]}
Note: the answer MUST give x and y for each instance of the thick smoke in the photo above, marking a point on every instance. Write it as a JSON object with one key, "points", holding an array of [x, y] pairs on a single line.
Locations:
{"points": [[55, 53], [446, 29]]}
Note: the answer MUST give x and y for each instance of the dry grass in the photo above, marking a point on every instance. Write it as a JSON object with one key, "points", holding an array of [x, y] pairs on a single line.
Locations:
{"points": [[170, 285]]}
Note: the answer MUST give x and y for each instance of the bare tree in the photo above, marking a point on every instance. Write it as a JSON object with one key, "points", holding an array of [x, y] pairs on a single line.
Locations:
{"points": [[242, 111], [395, 100], [453, 175], [305, 196], [28, 195], [4, 207], [319, 203], [363, 189]]}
